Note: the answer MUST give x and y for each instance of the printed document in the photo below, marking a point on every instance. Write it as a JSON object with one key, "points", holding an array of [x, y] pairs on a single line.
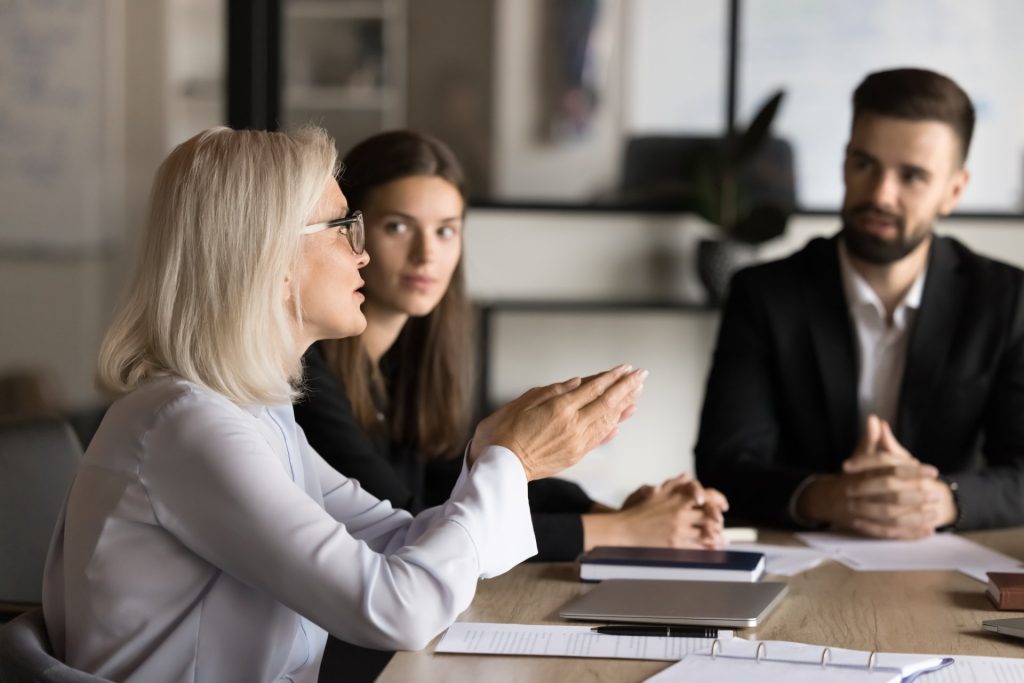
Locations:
{"points": [[566, 641], [935, 553]]}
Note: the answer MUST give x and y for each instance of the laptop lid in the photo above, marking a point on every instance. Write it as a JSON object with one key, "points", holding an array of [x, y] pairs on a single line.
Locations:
{"points": [[1006, 627], [706, 603]]}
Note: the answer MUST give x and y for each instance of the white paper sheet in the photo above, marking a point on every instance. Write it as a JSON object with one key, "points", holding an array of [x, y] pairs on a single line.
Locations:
{"points": [[935, 553], [979, 670], [739, 534], [565, 641], [793, 663], [784, 560]]}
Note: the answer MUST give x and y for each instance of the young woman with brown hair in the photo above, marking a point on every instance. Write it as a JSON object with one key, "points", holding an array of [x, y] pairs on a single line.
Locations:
{"points": [[391, 408]]}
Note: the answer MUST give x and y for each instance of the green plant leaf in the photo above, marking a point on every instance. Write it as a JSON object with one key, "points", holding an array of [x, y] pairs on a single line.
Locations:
{"points": [[755, 135]]}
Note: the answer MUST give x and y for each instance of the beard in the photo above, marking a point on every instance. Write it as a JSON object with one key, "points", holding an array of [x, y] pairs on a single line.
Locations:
{"points": [[874, 249]]}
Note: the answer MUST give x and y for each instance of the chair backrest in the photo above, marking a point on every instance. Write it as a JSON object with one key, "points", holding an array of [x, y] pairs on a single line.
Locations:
{"points": [[658, 168], [38, 459], [26, 657]]}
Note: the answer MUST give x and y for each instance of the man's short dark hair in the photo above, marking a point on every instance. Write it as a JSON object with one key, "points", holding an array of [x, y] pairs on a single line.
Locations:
{"points": [[917, 95]]}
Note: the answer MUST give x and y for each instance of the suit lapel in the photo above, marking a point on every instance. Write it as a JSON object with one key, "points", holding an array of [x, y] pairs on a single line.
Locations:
{"points": [[832, 339], [930, 339]]}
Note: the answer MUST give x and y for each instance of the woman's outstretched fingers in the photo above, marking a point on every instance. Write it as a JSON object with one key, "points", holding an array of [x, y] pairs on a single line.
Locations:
{"points": [[537, 395], [552, 427], [599, 418], [593, 387], [616, 398], [611, 435]]}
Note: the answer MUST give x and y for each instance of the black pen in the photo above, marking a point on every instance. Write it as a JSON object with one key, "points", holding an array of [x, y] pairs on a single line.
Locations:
{"points": [[664, 631]]}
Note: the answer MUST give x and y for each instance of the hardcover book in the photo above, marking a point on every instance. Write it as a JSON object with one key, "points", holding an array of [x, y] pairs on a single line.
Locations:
{"points": [[623, 562], [1006, 590]]}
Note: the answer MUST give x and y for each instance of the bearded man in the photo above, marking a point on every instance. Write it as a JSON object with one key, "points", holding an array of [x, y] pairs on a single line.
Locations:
{"points": [[874, 381]]}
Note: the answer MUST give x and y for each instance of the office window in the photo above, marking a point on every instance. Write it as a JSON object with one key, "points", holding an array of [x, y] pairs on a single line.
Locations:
{"points": [[677, 55], [819, 51], [665, 68]]}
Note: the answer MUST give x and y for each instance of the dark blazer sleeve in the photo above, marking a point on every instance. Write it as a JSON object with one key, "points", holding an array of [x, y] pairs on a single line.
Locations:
{"points": [[739, 435], [559, 536], [325, 415], [992, 495], [555, 505], [558, 496]]}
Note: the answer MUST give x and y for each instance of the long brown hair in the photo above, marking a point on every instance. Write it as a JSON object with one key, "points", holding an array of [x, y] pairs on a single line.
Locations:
{"points": [[430, 407]]}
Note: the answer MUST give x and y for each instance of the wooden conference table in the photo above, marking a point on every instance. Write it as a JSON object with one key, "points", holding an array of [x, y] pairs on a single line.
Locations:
{"points": [[932, 612]]}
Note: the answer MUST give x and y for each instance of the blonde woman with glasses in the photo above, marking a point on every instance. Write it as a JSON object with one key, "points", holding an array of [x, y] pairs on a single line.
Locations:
{"points": [[204, 540]]}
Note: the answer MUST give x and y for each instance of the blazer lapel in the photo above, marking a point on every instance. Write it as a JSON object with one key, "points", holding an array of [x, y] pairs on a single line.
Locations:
{"points": [[832, 335], [930, 339]]}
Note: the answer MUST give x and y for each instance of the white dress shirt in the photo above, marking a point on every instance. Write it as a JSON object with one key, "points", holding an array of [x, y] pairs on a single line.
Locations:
{"points": [[203, 541], [881, 351], [881, 346]]}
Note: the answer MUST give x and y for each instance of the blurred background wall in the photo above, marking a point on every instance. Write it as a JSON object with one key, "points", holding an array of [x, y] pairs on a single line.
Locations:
{"points": [[94, 93]]}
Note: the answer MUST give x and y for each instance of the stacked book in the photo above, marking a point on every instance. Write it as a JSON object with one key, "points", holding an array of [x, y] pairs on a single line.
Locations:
{"points": [[621, 562], [1006, 590]]}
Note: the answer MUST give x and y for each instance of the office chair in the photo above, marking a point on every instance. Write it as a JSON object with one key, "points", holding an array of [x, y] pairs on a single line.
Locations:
{"points": [[38, 459], [26, 656]]}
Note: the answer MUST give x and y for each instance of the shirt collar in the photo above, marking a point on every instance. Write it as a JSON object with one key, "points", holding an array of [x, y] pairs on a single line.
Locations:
{"points": [[860, 295]]}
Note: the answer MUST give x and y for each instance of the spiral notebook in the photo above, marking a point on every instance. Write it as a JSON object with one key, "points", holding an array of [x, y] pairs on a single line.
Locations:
{"points": [[738, 660]]}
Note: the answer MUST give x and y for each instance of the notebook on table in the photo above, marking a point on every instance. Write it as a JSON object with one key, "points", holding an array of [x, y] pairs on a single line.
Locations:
{"points": [[705, 603], [739, 660], [608, 562], [1006, 590]]}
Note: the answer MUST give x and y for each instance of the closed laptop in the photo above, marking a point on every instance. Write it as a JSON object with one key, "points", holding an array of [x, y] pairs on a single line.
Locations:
{"points": [[709, 603]]}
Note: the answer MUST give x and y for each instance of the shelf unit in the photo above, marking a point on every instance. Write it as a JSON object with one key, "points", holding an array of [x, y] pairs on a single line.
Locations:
{"points": [[344, 66]]}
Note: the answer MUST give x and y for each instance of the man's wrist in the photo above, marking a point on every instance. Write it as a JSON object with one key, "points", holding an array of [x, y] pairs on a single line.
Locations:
{"points": [[793, 508], [952, 521], [815, 501]]}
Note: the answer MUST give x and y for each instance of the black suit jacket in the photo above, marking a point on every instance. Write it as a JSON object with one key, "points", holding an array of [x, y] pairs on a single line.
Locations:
{"points": [[396, 472], [781, 400]]}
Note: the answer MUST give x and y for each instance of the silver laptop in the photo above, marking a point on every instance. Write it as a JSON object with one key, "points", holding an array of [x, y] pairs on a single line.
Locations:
{"points": [[706, 603], [1006, 627]]}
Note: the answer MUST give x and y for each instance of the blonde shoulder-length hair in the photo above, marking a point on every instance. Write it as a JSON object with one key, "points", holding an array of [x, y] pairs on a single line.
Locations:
{"points": [[206, 301]]}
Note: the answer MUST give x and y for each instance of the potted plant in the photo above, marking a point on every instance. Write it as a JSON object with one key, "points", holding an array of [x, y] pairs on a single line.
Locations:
{"points": [[742, 183]]}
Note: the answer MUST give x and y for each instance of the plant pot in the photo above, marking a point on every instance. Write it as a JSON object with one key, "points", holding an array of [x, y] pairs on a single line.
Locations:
{"points": [[717, 261]]}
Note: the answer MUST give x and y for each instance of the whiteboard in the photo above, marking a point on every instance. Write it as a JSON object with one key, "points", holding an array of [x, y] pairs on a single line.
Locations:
{"points": [[55, 151], [676, 56], [819, 50]]}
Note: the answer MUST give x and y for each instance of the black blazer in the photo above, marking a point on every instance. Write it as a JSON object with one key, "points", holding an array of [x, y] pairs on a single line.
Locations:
{"points": [[395, 472], [781, 400]]}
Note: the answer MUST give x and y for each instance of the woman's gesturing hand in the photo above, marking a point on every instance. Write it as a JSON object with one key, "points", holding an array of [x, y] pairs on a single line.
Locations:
{"points": [[550, 428]]}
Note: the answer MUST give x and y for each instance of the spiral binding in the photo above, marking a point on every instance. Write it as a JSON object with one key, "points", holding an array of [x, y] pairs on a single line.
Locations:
{"points": [[762, 654]]}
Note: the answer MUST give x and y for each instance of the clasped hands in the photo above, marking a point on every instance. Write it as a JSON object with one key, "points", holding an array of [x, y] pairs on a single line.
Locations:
{"points": [[882, 491], [678, 513]]}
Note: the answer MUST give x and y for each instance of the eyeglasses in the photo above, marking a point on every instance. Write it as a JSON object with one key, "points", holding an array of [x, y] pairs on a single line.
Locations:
{"points": [[350, 226]]}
